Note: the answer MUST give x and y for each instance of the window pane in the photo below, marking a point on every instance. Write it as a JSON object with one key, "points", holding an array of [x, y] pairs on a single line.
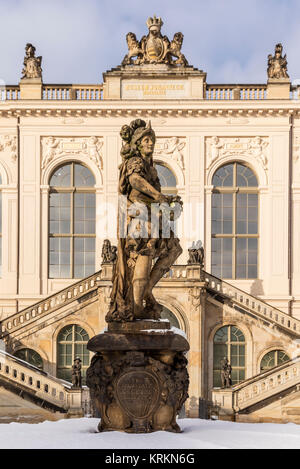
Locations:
{"points": [[61, 177], [221, 335], [84, 257], [59, 257], [222, 257], [165, 176], [59, 213], [84, 213], [245, 177], [223, 177], [69, 350], [222, 213], [83, 177], [229, 342], [236, 335]]}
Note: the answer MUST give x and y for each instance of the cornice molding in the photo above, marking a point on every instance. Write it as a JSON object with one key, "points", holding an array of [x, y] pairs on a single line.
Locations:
{"points": [[236, 111]]}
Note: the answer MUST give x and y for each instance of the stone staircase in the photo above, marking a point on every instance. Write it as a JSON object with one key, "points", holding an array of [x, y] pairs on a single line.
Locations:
{"points": [[260, 390], [39, 387], [31, 318], [58, 394], [248, 304]]}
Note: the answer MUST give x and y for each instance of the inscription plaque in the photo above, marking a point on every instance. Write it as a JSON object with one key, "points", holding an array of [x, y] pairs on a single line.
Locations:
{"points": [[137, 393], [144, 89]]}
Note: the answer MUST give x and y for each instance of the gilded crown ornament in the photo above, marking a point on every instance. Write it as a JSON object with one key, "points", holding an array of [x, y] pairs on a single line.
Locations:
{"points": [[154, 48]]}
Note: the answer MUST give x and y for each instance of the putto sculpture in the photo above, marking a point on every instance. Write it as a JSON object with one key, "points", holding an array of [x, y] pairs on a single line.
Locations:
{"points": [[138, 376], [154, 48], [32, 64], [196, 254], [109, 252], [277, 65], [76, 373], [226, 370]]}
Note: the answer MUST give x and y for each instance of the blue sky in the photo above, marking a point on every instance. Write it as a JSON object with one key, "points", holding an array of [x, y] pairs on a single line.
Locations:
{"points": [[80, 39]]}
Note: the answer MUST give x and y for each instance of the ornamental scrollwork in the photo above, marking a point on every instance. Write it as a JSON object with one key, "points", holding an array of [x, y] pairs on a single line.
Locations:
{"points": [[220, 147], [54, 147]]}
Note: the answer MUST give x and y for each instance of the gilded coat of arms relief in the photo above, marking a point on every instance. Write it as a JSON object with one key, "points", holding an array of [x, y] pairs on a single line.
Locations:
{"points": [[221, 147], [173, 148], [53, 147]]}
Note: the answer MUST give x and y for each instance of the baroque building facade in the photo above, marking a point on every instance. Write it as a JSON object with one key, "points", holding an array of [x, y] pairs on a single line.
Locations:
{"points": [[230, 151]]}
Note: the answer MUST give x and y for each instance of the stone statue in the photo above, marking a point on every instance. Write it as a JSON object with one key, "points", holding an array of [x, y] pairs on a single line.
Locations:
{"points": [[32, 64], [226, 373], [154, 48], [138, 376], [145, 232], [109, 252], [76, 373], [196, 254], [277, 65]]}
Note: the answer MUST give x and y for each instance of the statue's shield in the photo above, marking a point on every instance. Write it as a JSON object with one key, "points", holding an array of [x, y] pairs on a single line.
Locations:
{"points": [[31, 66], [155, 49], [137, 393]]}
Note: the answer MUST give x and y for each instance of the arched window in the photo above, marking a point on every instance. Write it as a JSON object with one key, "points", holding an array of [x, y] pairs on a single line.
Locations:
{"points": [[30, 356], [273, 358], [229, 342], [72, 216], [166, 178], [234, 222], [167, 314], [71, 343], [0, 228]]}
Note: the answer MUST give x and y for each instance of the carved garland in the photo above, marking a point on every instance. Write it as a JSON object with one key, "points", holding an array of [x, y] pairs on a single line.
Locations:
{"points": [[53, 147], [221, 147]]}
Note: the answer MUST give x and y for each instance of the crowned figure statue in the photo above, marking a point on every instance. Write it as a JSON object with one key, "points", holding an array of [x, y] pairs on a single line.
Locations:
{"points": [[277, 65], [147, 246], [32, 64]]}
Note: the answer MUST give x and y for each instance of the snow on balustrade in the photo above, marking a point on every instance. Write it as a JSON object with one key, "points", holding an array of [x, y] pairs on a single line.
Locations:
{"points": [[44, 385], [260, 387]]}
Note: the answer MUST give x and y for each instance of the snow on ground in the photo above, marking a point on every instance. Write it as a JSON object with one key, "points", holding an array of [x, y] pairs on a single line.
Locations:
{"points": [[202, 434]]}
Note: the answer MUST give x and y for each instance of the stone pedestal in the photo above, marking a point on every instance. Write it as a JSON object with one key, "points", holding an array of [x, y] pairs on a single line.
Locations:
{"points": [[154, 81], [278, 88], [31, 88], [138, 377]]}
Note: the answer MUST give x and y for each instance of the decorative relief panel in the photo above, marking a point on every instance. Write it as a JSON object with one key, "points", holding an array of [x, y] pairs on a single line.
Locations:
{"points": [[9, 142], [296, 148], [90, 146], [173, 148], [221, 147]]}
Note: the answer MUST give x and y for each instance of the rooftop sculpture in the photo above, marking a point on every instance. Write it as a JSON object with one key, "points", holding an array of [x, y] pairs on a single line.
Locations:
{"points": [[154, 48], [32, 64], [277, 65]]}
